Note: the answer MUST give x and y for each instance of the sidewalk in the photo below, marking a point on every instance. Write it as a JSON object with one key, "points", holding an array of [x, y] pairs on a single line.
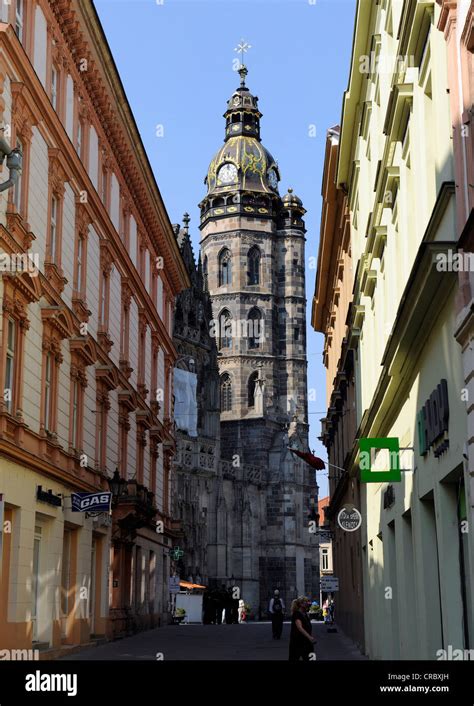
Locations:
{"points": [[334, 645]]}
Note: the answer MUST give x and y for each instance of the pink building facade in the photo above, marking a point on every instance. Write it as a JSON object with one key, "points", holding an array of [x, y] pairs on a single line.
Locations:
{"points": [[457, 23]]}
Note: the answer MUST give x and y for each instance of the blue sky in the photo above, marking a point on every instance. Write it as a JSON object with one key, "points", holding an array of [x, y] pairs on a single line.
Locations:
{"points": [[176, 59]]}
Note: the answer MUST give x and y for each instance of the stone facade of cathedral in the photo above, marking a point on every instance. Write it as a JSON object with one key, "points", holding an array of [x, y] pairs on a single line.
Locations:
{"points": [[196, 412], [252, 248], [216, 512]]}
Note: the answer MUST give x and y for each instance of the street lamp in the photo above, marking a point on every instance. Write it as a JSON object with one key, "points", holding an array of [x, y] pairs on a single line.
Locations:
{"points": [[116, 485]]}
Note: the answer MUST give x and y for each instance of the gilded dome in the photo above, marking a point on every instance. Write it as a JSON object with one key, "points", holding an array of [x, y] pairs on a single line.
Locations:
{"points": [[242, 163], [251, 167]]}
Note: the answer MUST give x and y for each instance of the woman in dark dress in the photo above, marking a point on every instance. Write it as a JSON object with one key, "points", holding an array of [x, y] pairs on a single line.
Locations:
{"points": [[301, 640]]}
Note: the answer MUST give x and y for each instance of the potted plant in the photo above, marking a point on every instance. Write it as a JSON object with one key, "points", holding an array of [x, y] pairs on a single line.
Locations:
{"points": [[315, 612], [179, 615], [248, 612]]}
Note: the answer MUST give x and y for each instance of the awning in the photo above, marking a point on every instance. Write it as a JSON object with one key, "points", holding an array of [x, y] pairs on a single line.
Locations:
{"points": [[186, 584]]}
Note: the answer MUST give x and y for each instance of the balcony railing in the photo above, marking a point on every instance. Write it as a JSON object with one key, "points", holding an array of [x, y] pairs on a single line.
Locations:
{"points": [[196, 456]]}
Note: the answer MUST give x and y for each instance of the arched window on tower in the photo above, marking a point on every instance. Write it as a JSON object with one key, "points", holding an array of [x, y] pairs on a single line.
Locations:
{"points": [[253, 266], [226, 393], [251, 385], [225, 267], [225, 329], [255, 328]]}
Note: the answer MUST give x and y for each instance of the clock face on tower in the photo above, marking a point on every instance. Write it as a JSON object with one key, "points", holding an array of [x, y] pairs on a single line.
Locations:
{"points": [[273, 179], [227, 174]]}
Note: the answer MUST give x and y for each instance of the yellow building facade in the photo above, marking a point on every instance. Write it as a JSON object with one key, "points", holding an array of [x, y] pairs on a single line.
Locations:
{"points": [[396, 166]]}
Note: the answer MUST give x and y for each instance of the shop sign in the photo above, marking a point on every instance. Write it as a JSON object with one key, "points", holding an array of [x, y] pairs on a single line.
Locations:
{"points": [[48, 497], [90, 502], [433, 422]]}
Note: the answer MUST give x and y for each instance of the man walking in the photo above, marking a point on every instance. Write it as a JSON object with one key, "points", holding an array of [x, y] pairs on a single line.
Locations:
{"points": [[277, 611]]}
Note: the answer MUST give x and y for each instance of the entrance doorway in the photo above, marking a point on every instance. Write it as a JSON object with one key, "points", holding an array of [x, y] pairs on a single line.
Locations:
{"points": [[36, 580], [65, 580], [92, 589]]}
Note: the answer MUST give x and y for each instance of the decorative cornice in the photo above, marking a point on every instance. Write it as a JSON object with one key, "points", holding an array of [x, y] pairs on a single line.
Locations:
{"points": [[59, 319], [85, 348], [58, 170], [107, 375]]}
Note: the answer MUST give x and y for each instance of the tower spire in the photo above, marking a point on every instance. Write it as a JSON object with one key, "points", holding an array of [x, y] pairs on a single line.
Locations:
{"points": [[242, 48], [243, 71]]}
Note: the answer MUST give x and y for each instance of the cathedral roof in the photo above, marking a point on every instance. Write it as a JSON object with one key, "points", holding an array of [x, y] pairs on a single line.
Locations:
{"points": [[291, 200], [242, 163]]}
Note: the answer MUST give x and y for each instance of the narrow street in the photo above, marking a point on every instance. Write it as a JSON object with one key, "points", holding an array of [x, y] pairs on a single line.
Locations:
{"points": [[251, 641]]}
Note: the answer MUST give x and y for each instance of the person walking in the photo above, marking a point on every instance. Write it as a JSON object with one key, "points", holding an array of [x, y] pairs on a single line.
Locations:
{"points": [[241, 611], [332, 609], [277, 611], [326, 610], [301, 639]]}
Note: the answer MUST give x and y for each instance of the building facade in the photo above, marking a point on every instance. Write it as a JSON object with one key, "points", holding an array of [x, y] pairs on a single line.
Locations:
{"points": [[456, 21], [86, 352], [331, 305], [396, 166], [252, 244], [326, 563], [197, 469]]}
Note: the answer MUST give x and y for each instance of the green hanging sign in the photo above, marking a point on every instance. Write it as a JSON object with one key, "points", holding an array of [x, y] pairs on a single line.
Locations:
{"points": [[392, 473]]}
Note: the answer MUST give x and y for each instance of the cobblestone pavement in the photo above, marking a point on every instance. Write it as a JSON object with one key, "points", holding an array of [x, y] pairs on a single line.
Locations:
{"points": [[252, 641]]}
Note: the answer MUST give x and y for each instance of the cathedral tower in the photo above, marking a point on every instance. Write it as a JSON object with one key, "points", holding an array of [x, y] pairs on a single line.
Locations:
{"points": [[252, 243]]}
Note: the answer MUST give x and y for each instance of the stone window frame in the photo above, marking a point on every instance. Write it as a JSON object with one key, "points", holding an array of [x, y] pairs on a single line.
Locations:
{"points": [[155, 353], [252, 343], [143, 325], [57, 177], [126, 294], [226, 395], [221, 337], [51, 346], [141, 439], [81, 127], [78, 383], [57, 60], [23, 120], [226, 254], [254, 254], [253, 377], [14, 309], [82, 236], [124, 428], [102, 419], [26, 38], [105, 270]]}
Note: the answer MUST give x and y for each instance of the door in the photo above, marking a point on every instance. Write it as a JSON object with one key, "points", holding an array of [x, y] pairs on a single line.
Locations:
{"points": [[35, 581], [65, 580], [92, 591]]}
